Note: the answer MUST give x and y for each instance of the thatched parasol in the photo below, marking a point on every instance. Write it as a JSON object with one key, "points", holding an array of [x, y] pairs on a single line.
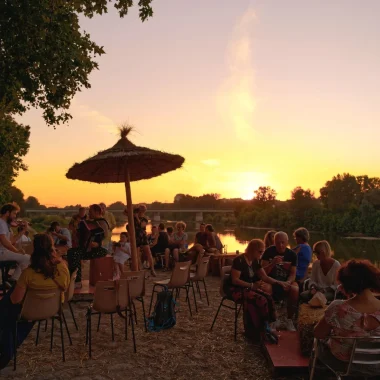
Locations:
{"points": [[126, 162]]}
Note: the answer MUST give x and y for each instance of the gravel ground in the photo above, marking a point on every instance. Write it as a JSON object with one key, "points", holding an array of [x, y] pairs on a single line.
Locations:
{"points": [[187, 351]]}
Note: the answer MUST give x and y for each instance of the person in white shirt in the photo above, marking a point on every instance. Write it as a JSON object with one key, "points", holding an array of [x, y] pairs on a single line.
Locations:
{"points": [[24, 237], [61, 236], [8, 251], [122, 252], [323, 273]]}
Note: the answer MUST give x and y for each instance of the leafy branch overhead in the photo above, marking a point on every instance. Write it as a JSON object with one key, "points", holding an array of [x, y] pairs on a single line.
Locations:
{"points": [[45, 57]]}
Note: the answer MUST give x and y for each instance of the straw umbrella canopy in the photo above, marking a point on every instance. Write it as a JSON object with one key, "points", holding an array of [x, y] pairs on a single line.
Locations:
{"points": [[126, 162]]}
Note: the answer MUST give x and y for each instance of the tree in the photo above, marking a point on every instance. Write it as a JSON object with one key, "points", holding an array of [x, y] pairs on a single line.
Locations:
{"points": [[45, 57], [264, 196], [17, 196], [32, 203], [341, 193], [117, 206], [14, 145], [301, 202]]}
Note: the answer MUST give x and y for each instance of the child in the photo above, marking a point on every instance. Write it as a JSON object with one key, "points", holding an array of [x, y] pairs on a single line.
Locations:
{"points": [[122, 252]]}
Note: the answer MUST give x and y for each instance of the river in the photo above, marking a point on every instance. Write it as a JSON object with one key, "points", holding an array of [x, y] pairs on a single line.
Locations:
{"points": [[237, 239]]}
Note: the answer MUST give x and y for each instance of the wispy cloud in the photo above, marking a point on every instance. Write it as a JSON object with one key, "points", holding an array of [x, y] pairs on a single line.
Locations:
{"points": [[97, 118], [237, 98]]}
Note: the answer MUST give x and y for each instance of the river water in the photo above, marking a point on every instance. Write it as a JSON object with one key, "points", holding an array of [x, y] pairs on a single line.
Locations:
{"points": [[238, 238]]}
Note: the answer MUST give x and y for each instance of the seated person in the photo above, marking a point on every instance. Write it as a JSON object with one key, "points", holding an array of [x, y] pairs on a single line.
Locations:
{"points": [[244, 284], [304, 253], [201, 236], [179, 239], [122, 252], [359, 316], [152, 237], [323, 273], [211, 239], [46, 271], [280, 263], [61, 236], [24, 235], [269, 238], [161, 243]]}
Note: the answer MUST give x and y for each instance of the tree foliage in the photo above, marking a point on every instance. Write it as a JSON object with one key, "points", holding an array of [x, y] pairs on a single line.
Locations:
{"points": [[45, 57], [14, 145], [264, 196]]}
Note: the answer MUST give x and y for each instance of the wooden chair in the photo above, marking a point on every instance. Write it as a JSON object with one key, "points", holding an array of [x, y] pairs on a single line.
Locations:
{"points": [[200, 274], [111, 297], [180, 279], [364, 355], [41, 305], [226, 271]]}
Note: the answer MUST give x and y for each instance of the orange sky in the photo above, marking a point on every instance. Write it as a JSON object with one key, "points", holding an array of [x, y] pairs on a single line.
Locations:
{"points": [[251, 93]]}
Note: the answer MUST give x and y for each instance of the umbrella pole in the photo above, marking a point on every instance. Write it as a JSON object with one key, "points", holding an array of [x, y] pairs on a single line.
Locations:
{"points": [[131, 223]]}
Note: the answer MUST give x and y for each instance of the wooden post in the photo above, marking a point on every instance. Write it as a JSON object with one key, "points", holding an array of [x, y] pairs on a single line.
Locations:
{"points": [[131, 223]]}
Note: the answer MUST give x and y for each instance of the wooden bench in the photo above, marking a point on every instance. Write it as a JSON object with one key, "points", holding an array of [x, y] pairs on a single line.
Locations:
{"points": [[285, 357]]}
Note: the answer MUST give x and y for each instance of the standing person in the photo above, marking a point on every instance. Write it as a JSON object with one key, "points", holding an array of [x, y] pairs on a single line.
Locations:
{"points": [[8, 252], [95, 250], [323, 273], [269, 239], [109, 217], [61, 236], [280, 263], [304, 253], [141, 236], [73, 226]]}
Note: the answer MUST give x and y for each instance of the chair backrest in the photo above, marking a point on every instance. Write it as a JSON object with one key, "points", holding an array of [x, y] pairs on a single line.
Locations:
{"points": [[70, 291], [224, 273], [41, 304], [27, 247], [202, 267], [105, 297], [180, 275], [136, 281], [123, 293], [365, 352]]}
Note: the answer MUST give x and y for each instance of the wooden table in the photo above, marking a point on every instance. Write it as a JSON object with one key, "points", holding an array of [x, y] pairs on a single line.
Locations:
{"points": [[217, 270]]}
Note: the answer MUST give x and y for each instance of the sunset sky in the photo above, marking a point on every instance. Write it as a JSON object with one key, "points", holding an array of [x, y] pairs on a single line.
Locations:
{"points": [[278, 93]]}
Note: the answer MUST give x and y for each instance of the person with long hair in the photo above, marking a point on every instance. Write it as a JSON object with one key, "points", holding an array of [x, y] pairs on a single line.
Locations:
{"points": [[46, 271], [358, 316], [244, 285], [269, 239]]}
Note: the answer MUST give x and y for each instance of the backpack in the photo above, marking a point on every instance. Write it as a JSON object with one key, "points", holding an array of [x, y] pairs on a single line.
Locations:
{"points": [[163, 316]]}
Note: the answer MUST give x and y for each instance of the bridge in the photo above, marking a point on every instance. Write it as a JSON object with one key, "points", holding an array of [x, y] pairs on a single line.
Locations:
{"points": [[156, 213]]}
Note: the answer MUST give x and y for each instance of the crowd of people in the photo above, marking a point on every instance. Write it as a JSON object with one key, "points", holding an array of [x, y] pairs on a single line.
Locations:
{"points": [[268, 272]]}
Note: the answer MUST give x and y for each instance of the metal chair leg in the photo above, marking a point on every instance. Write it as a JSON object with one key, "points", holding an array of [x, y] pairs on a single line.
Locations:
{"points": [[195, 299], [38, 331], [112, 332], [73, 316], [67, 328], [134, 312], [100, 315], [46, 324], [52, 334], [188, 300], [236, 318], [143, 308], [217, 313], [204, 284], [126, 325], [133, 331], [62, 340], [198, 289]]}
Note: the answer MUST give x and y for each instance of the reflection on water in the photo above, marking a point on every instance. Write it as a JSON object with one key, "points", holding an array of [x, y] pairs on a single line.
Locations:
{"points": [[238, 238]]}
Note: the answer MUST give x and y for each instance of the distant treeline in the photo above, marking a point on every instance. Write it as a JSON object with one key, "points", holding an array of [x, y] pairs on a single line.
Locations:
{"points": [[346, 205]]}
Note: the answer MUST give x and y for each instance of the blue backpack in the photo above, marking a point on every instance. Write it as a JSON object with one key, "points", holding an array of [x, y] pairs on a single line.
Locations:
{"points": [[163, 316]]}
